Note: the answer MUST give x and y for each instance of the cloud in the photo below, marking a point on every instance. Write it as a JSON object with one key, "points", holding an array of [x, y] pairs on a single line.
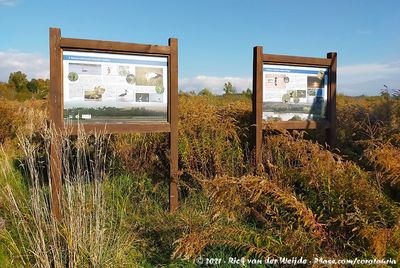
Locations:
{"points": [[8, 2], [32, 64], [368, 79], [214, 83]]}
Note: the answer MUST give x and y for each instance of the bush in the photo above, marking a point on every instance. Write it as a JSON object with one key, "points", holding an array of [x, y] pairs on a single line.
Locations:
{"points": [[309, 202], [210, 137], [26, 118]]}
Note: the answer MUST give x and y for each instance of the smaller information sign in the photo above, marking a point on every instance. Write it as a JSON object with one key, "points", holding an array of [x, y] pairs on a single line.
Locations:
{"points": [[294, 93], [112, 88]]}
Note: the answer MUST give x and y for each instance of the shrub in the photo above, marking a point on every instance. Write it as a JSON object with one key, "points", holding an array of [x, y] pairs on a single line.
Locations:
{"points": [[140, 154], [26, 117], [209, 138], [309, 202], [344, 198]]}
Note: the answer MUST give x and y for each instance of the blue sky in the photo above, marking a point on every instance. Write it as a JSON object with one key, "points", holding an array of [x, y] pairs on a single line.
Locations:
{"points": [[216, 37]]}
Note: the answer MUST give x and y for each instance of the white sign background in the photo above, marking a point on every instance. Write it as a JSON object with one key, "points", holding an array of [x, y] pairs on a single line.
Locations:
{"points": [[292, 86], [97, 80]]}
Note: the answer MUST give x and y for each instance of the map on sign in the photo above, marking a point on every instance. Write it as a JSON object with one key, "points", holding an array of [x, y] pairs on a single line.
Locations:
{"points": [[294, 93], [114, 88]]}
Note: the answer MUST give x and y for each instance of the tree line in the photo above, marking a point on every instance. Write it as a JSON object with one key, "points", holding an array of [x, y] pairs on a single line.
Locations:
{"points": [[228, 89], [19, 87]]}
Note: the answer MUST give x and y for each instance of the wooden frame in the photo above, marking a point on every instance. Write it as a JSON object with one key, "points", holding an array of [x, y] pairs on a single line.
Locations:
{"points": [[57, 45], [329, 124]]}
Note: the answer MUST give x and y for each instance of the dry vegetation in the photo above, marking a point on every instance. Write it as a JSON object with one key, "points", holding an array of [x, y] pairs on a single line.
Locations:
{"points": [[305, 201]]}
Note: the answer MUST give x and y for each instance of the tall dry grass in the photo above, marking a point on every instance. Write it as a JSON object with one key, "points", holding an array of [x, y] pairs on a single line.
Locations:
{"points": [[20, 117], [211, 139], [91, 231], [144, 154]]}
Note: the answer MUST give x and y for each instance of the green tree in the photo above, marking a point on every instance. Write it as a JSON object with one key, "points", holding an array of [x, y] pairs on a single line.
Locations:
{"points": [[39, 87], [32, 85], [205, 92], [229, 89], [43, 88], [247, 93], [18, 81]]}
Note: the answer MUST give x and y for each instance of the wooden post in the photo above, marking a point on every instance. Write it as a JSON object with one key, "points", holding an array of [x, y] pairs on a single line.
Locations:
{"points": [[257, 103], [331, 112], [55, 112], [174, 117]]}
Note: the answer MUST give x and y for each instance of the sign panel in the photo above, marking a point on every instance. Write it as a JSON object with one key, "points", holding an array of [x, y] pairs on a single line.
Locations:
{"points": [[114, 88], [294, 93]]}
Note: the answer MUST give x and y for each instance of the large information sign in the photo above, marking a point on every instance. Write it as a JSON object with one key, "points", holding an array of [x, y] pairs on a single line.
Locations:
{"points": [[111, 88], [294, 93]]}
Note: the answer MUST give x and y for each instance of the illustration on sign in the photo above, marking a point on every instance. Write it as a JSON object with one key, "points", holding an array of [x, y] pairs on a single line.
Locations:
{"points": [[294, 93], [110, 88]]}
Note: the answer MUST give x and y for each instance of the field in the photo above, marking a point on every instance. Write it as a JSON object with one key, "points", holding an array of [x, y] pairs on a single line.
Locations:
{"points": [[305, 200]]}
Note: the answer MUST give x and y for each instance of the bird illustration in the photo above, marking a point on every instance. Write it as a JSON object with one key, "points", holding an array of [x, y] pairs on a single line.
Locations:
{"points": [[152, 75], [124, 94]]}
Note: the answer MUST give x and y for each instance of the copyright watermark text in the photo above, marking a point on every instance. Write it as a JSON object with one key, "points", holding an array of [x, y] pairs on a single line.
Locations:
{"points": [[278, 261]]}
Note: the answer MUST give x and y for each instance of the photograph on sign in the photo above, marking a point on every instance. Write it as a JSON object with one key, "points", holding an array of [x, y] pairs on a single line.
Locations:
{"points": [[114, 88], [294, 93]]}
